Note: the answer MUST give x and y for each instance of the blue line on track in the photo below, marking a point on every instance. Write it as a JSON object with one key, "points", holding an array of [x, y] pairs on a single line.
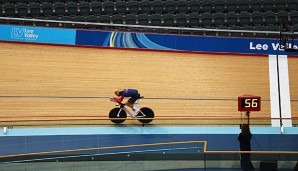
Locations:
{"points": [[142, 130]]}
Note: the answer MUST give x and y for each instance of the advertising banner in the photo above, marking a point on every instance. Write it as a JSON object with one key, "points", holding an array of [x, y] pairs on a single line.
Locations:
{"points": [[181, 42], [37, 34]]}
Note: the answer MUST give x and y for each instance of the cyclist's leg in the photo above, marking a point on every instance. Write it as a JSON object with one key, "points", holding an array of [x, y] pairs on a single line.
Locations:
{"points": [[127, 103], [135, 106]]}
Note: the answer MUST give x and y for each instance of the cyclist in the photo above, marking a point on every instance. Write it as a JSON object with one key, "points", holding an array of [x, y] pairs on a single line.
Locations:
{"points": [[133, 95]]}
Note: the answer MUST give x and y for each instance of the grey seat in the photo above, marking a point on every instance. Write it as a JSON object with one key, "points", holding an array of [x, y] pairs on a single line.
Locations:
{"points": [[72, 8], [157, 6], [270, 18], [219, 19], [295, 28], [143, 19], [59, 8], [85, 9], [219, 6], [1, 12], [20, 1], [294, 17], [260, 28], [67, 18], [256, 5], [40, 23], [156, 19], [194, 6], [22, 10], [268, 5], [6, 1], [194, 20], [169, 20], [231, 6], [96, 8], [248, 28], [181, 20], [131, 19], [92, 19], [170, 7], [104, 19], [47, 9], [145, 7], [207, 6], [34, 10], [236, 33], [223, 33], [53, 24], [9, 10], [280, 5], [243, 5], [244, 18], [133, 7], [108, 7], [206, 19], [120, 7], [231, 19], [117, 19], [257, 18], [281, 15], [182, 6], [79, 19], [292, 5], [273, 28]]}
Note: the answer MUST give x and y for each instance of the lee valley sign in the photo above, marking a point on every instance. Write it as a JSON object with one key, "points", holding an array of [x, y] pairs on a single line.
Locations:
{"points": [[274, 46]]}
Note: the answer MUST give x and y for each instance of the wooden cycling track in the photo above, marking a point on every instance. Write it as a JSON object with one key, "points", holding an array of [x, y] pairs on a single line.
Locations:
{"points": [[72, 84]]}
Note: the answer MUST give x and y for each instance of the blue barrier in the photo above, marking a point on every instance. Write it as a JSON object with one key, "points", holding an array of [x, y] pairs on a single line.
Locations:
{"points": [[37, 35], [181, 43], [143, 40]]}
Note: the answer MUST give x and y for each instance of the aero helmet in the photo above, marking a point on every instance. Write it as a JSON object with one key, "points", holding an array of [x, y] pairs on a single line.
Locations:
{"points": [[117, 92]]}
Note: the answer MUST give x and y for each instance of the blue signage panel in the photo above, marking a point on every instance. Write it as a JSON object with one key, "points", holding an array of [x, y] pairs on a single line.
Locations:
{"points": [[37, 34], [143, 40], [91, 38], [181, 42]]}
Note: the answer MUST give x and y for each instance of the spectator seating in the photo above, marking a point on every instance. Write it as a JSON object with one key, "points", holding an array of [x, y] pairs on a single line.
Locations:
{"points": [[224, 14]]}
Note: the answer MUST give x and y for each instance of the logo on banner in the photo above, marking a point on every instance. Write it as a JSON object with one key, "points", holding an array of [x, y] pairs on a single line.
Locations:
{"points": [[23, 33], [274, 46]]}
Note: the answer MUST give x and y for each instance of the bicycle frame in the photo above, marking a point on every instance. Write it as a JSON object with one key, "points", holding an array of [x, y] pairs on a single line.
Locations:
{"points": [[122, 107]]}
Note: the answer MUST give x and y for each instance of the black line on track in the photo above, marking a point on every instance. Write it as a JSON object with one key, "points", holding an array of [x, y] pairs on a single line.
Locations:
{"points": [[104, 97]]}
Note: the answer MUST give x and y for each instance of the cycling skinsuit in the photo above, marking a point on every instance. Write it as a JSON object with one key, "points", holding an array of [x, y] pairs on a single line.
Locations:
{"points": [[132, 93]]}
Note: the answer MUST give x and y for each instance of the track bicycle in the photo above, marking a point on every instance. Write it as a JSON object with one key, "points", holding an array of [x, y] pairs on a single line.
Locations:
{"points": [[119, 114]]}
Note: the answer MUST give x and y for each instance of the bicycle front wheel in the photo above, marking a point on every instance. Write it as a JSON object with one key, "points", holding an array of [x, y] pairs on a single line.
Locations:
{"points": [[114, 118]]}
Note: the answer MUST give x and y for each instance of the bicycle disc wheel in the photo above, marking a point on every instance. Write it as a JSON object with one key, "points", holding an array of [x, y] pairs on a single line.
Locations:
{"points": [[149, 114], [113, 115]]}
